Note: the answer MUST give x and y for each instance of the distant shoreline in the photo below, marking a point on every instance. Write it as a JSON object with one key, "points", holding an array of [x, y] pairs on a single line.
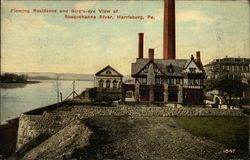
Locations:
{"points": [[64, 79], [27, 82]]}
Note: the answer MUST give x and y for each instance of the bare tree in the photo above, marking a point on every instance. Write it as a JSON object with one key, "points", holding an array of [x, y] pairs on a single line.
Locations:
{"points": [[57, 90]]}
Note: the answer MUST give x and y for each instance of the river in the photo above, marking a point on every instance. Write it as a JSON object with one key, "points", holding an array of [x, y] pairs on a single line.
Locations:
{"points": [[16, 99]]}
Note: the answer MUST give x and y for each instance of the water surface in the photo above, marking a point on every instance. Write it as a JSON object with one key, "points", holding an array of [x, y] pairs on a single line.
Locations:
{"points": [[16, 99]]}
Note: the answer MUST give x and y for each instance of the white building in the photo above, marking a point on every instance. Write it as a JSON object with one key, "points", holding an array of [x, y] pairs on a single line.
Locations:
{"points": [[108, 78]]}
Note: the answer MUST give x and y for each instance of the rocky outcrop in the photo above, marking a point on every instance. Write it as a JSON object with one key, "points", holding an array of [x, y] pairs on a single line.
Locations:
{"points": [[58, 146]]}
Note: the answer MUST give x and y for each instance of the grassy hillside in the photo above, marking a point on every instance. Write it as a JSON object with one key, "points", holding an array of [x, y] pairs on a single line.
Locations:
{"points": [[231, 131]]}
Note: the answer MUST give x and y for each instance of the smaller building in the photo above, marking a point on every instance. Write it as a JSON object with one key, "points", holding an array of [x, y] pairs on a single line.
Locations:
{"points": [[107, 84], [108, 78]]}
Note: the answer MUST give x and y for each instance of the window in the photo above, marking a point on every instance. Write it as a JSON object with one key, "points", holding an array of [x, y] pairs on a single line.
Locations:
{"points": [[191, 82], [101, 83], [170, 68], [108, 72], [143, 80], [114, 84], [158, 81], [192, 70], [246, 68], [197, 82], [230, 67], [170, 81], [177, 81], [107, 83]]}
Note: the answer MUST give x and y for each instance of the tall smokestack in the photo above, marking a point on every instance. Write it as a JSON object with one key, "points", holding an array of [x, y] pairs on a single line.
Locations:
{"points": [[140, 45], [169, 30]]}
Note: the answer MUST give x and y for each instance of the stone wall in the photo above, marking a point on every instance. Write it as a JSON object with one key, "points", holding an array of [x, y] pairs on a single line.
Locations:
{"points": [[31, 126]]}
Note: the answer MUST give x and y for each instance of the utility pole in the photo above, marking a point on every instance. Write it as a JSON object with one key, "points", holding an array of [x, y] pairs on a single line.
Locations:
{"points": [[73, 92], [61, 96], [57, 92]]}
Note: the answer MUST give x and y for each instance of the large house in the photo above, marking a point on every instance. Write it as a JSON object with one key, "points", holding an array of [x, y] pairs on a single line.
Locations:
{"points": [[167, 80]]}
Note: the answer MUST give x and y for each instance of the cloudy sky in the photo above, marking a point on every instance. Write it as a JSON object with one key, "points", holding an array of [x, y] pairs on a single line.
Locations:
{"points": [[47, 42]]}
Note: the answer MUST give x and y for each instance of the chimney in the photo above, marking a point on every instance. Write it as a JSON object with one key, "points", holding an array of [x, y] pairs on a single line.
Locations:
{"points": [[198, 57], [151, 54], [140, 45], [198, 60], [169, 30]]}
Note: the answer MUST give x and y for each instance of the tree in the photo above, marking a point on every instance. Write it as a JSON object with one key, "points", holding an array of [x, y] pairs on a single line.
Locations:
{"points": [[228, 88], [92, 94], [13, 78]]}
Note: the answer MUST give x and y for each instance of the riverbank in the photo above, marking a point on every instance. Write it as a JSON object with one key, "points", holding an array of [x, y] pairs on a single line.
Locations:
{"points": [[9, 130]]}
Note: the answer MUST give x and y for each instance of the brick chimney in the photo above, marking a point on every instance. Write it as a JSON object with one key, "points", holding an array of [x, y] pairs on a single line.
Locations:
{"points": [[198, 60], [169, 30], [140, 46], [198, 57], [151, 54]]}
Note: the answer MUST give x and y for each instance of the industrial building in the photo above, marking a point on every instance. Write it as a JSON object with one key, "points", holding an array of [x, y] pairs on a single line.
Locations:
{"points": [[166, 80]]}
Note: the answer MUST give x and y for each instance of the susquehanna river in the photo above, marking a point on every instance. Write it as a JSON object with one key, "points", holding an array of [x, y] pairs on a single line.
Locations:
{"points": [[25, 97]]}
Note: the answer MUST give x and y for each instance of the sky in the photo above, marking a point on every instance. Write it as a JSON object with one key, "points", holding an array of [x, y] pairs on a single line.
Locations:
{"points": [[48, 42]]}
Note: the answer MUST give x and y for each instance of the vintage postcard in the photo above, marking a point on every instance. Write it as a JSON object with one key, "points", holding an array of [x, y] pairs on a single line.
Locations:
{"points": [[125, 79]]}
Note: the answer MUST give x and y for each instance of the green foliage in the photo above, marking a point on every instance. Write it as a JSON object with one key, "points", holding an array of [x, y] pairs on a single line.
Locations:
{"points": [[228, 88], [231, 87], [13, 78], [211, 84], [231, 131]]}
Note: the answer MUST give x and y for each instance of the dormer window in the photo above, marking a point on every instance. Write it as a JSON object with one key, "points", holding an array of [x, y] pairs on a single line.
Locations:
{"points": [[108, 72], [170, 68], [192, 70]]}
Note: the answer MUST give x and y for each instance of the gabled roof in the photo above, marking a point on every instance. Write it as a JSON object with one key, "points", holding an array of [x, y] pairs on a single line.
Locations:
{"points": [[149, 62], [162, 64], [109, 68], [198, 64]]}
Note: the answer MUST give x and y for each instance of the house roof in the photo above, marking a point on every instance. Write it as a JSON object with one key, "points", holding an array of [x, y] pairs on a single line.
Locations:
{"points": [[178, 64], [111, 68], [229, 61]]}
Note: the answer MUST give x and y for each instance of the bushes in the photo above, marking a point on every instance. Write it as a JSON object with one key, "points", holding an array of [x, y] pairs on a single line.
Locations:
{"points": [[13, 78]]}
